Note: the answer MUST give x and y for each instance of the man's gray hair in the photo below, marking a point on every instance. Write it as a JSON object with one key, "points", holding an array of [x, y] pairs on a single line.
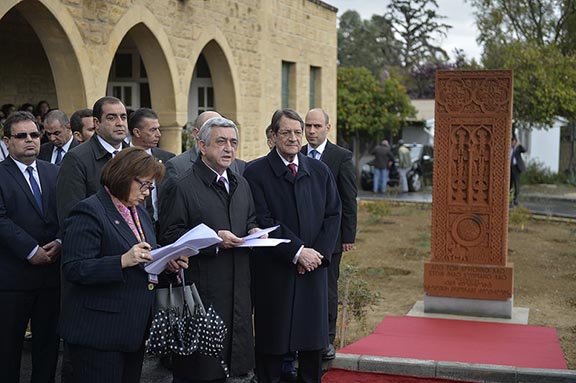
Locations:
{"points": [[221, 122], [56, 115]]}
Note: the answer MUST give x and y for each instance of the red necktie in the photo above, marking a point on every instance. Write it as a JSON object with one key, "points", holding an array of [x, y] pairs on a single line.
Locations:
{"points": [[292, 168]]}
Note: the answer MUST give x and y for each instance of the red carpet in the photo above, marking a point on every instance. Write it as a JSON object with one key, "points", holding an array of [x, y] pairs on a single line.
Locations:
{"points": [[336, 375], [463, 341]]}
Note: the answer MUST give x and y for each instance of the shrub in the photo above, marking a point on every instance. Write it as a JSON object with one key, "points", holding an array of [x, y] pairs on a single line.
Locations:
{"points": [[537, 173], [355, 298], [188, 140]]}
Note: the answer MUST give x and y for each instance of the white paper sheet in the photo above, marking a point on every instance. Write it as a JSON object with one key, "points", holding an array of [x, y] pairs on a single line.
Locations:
{"points": [[263, 242], [260, 233], [187, 245]]}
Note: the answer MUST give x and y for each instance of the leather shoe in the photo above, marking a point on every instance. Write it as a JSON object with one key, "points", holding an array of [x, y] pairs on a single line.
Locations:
{"points": [[289, 377], [329, 353]]}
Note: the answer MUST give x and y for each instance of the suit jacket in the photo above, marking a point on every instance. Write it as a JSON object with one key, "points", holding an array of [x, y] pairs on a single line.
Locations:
{"points": [[23, 226], [47, 149], [339, 160], [162, 156], [291, 310], [104, 306], [517, 154], [79, 175], [223, 279]]}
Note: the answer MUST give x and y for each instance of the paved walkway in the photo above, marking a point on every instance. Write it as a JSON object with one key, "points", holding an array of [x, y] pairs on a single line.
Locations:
{"points": [[555, 203]]}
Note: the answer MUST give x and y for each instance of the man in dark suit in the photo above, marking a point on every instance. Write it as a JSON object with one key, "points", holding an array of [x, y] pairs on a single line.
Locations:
{"points": [[60, 138], [182, 162], [339, 160], [210, 193], [145, 132], [290, 280], [29, 253], [79, 175], [517, 166]]}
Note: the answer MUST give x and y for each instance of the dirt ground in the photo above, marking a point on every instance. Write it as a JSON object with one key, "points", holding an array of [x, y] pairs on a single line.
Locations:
{"points": [[393, 244]]}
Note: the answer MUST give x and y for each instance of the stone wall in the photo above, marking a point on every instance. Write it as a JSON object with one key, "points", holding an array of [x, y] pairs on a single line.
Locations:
{"points": [[245, 42]]}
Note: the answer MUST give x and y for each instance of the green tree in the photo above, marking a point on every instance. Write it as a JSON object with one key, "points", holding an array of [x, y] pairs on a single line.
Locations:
{"points": [[417, 24], [366, 43], [536, 39], [369, 108], [544, 81], [538, 22]]}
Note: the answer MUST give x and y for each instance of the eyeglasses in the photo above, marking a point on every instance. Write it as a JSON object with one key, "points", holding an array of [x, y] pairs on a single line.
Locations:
{"points": [[289, 133], [23, 135], [144, 185]]}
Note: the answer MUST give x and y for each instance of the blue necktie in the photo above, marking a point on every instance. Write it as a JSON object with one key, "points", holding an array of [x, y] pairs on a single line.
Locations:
{"points": [[59, 152], [313, 153], [35, 187]]}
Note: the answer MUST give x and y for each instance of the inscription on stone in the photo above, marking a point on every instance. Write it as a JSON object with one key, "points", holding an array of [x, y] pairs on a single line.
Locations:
{"points": [[483, 282]]}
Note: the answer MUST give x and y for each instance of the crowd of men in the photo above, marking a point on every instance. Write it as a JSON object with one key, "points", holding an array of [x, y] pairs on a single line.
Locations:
{"points": [[290, 291]]}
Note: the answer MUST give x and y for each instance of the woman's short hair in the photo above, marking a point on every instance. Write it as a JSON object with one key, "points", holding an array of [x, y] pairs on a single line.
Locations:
{"points": [[129, 164]]}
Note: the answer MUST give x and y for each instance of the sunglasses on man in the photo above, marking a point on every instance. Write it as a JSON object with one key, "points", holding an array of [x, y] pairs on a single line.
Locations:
{"points": [[22, 136]]}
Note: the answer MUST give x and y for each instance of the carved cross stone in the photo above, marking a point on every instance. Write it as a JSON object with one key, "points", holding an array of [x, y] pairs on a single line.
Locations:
{"points": [[473, 127]]}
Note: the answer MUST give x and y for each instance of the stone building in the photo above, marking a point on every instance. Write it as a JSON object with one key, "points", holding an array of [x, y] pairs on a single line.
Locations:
{"points": [[243, 58]]}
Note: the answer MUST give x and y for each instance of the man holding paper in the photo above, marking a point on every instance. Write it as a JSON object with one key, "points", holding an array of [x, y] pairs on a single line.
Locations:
{"points": [[212, 194], [290, 280]]}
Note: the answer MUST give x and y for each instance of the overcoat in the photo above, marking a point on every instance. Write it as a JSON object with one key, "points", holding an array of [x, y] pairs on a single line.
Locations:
{"points": [[104, 306], [79, 175], [290, 309], [222, 277], [339, 160]]}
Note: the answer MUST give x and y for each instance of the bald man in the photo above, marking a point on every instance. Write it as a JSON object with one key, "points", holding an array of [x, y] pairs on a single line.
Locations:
{"points": [[339, 160]]}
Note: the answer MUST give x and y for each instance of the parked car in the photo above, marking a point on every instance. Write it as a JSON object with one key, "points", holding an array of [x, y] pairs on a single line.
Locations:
{"points": [[421, 172]]}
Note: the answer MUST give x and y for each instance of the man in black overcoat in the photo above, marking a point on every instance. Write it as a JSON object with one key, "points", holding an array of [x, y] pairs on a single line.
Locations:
{"points": [[210, 193], [339, 160], [290, 280]]}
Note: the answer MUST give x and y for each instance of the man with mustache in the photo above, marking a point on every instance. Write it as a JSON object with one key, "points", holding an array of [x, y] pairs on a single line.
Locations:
{"points": [[145, 132]]}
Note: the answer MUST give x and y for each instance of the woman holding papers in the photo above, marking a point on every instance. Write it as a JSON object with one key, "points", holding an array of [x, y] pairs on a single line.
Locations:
{"points": [[107, 296]]}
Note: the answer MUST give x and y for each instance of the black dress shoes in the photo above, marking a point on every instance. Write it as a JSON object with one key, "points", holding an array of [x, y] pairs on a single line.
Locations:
{"points": [[329, 353], [289, 377]]}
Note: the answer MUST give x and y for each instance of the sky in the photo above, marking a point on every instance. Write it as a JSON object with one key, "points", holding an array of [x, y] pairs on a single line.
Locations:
{"points": [[458, 13]]}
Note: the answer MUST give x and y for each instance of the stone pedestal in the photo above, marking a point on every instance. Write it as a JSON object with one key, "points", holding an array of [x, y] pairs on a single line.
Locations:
{"points": [[468, 272], [471, 307]]}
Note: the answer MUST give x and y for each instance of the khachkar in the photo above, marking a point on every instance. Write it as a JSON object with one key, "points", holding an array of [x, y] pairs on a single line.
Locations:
{"points": [[468, 273]]}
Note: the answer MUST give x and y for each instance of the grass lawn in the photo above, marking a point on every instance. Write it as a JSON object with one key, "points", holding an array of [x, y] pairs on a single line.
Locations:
{"points": [[393, 242]]}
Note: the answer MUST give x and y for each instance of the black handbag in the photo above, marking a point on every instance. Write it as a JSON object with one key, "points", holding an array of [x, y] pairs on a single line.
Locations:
{"points": [[174, 328], [182, 326]]}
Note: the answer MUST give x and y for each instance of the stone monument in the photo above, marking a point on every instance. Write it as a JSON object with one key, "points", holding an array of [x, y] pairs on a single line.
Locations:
{"points": [[468, 273]]}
